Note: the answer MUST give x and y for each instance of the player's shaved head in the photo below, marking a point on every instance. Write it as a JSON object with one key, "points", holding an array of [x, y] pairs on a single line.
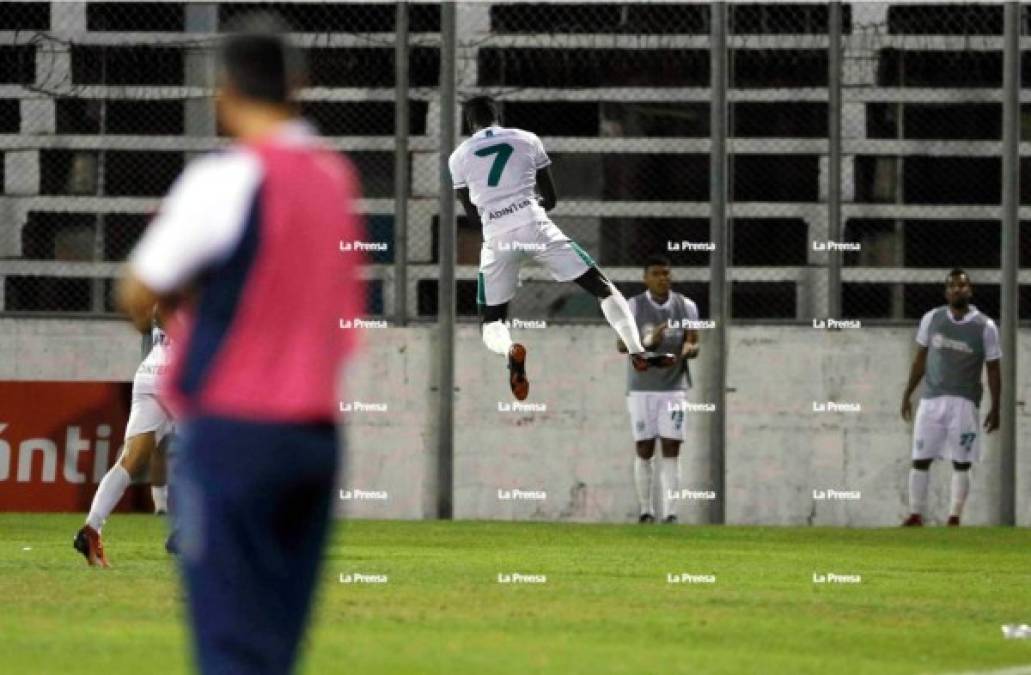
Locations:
{"points": [[958, 289], [956, 272], [481, 111], [657, 261], [257, 62]]}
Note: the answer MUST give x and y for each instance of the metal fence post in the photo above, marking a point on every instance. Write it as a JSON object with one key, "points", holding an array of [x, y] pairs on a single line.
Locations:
{"points": [[446, 289], [401, 177], [1009, 260], [718, 266], [834, 158]]}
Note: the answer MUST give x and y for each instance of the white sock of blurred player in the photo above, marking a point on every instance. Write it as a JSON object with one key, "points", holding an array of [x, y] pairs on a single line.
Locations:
{"points": [[960, 490], [918, 481], [159, 495], [617, 312], [669, 481], [111, 489], [496, 337], [643, 482]]}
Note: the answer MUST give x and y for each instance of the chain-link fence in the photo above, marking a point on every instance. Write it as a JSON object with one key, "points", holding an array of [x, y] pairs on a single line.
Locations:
{"points": [[103, 103]]}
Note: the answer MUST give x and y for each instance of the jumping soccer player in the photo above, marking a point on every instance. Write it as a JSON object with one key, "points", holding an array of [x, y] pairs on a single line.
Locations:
{"points": [[254, 232], [496, 173], [955, 340], [656, 397], [149, 425]]}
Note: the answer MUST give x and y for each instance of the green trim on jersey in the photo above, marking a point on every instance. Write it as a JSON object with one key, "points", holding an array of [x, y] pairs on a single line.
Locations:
{"points": [[584, 255], [481, 290]]}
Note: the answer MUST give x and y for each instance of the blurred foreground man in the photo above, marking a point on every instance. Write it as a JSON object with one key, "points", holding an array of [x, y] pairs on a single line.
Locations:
{"points": [[248, 239]]}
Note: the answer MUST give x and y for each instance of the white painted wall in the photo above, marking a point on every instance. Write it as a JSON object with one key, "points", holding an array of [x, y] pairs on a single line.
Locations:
{"points": [[579, 451]]}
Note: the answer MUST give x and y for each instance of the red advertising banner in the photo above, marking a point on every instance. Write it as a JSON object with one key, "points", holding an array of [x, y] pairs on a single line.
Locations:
{"points": [[57, 439]]}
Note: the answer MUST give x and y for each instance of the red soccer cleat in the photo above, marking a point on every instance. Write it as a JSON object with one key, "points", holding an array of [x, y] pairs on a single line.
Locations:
{"points": [[87, 542], [517, 372], [914, 520]]}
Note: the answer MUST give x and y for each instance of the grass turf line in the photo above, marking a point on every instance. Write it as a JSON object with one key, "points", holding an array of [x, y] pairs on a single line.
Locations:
{"points": [[930, 600]]}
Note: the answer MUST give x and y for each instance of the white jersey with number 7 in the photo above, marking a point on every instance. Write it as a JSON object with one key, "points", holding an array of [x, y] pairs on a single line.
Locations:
{"points": [[499, 166]]}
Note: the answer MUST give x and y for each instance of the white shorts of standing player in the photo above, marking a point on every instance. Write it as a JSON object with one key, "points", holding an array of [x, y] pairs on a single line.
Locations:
{"points": [[947, 427], [657, 414]]}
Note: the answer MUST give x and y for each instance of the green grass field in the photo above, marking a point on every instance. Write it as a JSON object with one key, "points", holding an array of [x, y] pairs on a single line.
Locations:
{"points": [[930, 601]]}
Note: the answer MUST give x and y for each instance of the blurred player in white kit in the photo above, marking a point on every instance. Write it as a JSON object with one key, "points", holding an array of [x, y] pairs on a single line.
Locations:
{"points": [[145, 434]]}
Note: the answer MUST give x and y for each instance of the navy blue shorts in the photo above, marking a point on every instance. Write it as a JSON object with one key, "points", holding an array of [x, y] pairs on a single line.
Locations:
{"points": [[253, 504]]}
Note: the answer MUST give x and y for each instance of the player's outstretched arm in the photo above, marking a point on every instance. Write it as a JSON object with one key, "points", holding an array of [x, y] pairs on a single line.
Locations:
{"points": [[470, 209], [995, 387], [546, 186], [916, 373]]}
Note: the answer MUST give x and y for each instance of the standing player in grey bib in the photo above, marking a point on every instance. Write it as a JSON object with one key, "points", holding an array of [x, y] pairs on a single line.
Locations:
{"points": [[956, 342], [657, 397]]}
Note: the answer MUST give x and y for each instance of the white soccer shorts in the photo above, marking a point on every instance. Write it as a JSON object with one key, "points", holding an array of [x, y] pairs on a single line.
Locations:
{"points": [[656, 413], [947, 423], [503, 255], [147, 415]]}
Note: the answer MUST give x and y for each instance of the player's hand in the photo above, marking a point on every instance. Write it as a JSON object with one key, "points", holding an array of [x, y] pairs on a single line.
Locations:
{"points": [[907, 409], [991, 423], [690, 351], [655, 337]]}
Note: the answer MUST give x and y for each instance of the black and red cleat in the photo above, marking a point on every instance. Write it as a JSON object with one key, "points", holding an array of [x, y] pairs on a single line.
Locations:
{"points": [[953, 521], [644, 360], [87, 542], [914, 520], [517, 372]]}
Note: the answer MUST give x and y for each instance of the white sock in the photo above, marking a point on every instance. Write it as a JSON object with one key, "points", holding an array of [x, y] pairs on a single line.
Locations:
{"points": [[111, 489], [669, 480], [617, 312], [159, 494], [960, 490], [643, 483], [918, 481], [496, 337]]}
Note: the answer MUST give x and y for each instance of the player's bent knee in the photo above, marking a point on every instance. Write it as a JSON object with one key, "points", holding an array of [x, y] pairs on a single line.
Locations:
{"points": [[492, 313], [961, 466], [922, 464], [595, 283]]}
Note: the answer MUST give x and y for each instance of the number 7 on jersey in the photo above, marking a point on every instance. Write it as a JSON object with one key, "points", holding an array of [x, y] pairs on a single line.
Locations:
{"points": [[503, 152]]}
